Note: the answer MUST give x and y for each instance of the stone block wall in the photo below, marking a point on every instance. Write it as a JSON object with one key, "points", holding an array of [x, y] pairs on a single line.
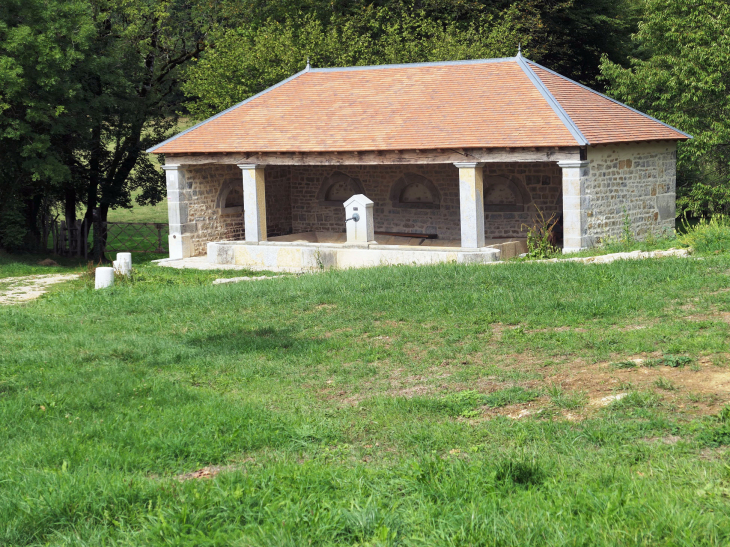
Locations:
{"points": [[542, 181], [207, 181], [310, 215], [278, 200], [638, 180]]}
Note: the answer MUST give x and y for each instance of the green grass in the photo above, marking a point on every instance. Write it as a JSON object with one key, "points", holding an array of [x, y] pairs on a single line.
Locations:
{"points": [[14, 265], [140, 213], [361, 408]]}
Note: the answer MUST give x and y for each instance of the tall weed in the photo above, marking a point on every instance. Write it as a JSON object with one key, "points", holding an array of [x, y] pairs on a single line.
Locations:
{"points": [[708, 236]]}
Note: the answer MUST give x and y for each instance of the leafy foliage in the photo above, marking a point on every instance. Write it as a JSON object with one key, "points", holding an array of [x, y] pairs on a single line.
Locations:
{"points": [[248, 60], [708, 236], [683, 78], [540, 236], [86, 86]]}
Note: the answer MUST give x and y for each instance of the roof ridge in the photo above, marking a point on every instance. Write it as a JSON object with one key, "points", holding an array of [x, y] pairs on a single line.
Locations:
{"points": [[608, 98], [415, 65], [552, 102], [251, 98]]}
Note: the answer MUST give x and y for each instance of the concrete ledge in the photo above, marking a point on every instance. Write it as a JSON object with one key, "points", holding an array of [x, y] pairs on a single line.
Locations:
{"points": [[301, 256]]}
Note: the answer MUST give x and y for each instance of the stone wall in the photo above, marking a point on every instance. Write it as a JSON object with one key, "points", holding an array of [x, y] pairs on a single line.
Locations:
{"points": [[206, 183], [543, 185], [638, 180], [278, 200], [541, 181]]}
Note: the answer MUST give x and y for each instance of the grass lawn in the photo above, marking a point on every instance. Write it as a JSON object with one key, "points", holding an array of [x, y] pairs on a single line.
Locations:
{"points": [[140, 213], [517, 404]]}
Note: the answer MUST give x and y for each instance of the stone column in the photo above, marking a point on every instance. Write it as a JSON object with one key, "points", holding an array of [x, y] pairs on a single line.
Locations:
{"points": [[254, 202], [471, 203], [178, 197], [575, 205]]}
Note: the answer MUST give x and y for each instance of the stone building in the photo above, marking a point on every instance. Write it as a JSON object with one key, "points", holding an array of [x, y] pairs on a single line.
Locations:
{"points": [[458, 158]]}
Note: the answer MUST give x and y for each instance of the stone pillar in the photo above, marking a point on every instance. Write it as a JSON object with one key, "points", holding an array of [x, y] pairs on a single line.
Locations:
{"points": [[178, 197], [362, 230], [254, 202], [575, 205], [471, 203]]}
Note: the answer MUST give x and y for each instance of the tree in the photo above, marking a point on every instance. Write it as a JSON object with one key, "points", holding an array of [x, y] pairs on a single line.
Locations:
{"points": [[41, 41], [684, 79], [87, 86], [248, 60], [567, 35]]}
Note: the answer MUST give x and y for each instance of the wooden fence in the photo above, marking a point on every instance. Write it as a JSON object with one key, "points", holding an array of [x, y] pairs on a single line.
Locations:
{"points": [[93, 240]]}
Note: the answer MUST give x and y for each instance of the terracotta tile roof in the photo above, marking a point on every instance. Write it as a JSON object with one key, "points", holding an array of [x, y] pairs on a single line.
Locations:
{"points": [[493, 103], [600, 119]]}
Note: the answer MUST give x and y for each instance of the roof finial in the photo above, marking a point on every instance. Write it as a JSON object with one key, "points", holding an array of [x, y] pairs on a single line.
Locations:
{"points": [[519, 49], [308, 67]]}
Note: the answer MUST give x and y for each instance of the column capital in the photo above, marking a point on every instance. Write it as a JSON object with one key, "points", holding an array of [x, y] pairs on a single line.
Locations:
{"points": [[171, 166], [244, 166], [573, 164], [468, 164]]}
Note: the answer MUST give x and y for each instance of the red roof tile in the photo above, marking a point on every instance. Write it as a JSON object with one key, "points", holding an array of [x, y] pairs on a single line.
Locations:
{"points": [[493, 103], [602, 120]]}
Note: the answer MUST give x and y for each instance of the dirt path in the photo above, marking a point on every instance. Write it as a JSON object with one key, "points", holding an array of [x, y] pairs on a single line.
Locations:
{"points": [[15, 290]]}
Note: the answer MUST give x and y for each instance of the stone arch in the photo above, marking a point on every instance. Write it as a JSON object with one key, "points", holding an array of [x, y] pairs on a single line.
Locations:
{"points": [[338, 188], [505, 194], [230, 198], [414, 191]]}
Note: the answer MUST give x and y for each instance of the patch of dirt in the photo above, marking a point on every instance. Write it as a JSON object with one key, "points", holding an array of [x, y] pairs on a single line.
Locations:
{"points": [[605, 401], [204, 473], [709, 454], [16, 290], [557, 329], [669, 439], [629, 328], [717, 316], [697, 392], [211, 471]]}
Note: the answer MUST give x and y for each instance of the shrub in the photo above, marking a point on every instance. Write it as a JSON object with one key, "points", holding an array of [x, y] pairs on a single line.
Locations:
{"points": [[711, 236], [540, 236]]}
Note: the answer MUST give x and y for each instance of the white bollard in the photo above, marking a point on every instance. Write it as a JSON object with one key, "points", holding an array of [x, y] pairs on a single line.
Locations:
{"points": [[104, 278], [123, 263]]}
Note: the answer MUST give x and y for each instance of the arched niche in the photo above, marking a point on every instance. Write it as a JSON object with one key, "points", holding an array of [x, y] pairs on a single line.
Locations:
{"points": [[338, 188], [230, 198], [505, 194], [413, 191]]}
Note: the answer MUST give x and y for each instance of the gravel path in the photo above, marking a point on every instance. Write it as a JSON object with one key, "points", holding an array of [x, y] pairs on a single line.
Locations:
{"points": [[15, 290]]}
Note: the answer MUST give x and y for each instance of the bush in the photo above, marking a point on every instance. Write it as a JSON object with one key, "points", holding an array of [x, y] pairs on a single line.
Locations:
{"points": [[711, 236]]}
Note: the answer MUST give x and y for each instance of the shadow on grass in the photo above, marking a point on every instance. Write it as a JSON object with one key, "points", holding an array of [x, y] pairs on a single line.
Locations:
{"points": [[263, 339]]}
